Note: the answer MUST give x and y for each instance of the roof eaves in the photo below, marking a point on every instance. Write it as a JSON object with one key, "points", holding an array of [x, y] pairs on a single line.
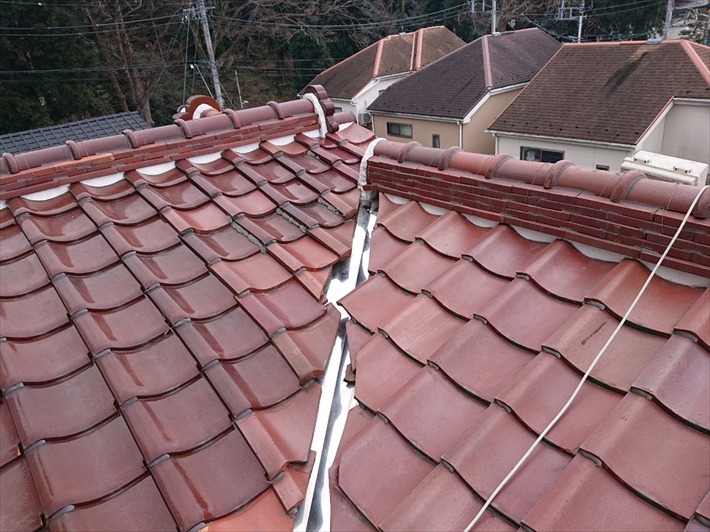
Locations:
{"points": [[568, 140]]}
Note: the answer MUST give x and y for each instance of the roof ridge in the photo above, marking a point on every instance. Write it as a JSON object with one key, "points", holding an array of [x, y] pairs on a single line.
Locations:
{"points": [[420, 46], [695, 58], [48, 168], [625, 213], [487, 62], [378, 56]]}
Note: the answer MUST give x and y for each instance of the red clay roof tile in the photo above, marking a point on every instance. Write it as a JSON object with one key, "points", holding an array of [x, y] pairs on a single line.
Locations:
{"points": [[430, 412], [42, 359], [149, 371], [464, 288], [421, 328], [64, 392], [489, 450], [391, 299], [128, 327], [199, 486], [383, 248], [9, 445], [416, 267], [176, 422], [375, 449], [19, 506], [22, 276], [679, 360], [442, 501], [61, 409], [282, 433], [576, 498], [542, 387], [82, 257], [138, 507], [259, 380], [110, 288], [382, 370], [654, 455], [31, 315], [85, 468], [229, 336]]}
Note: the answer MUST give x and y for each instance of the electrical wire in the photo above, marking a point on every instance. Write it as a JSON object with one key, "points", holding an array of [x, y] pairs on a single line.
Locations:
{"points": [[91, 26], [591, 367]]}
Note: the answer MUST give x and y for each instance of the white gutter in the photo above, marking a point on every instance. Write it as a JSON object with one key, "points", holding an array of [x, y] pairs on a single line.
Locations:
{"points": [[460, 134], [415, 117], [563, 140], [501, 90]]}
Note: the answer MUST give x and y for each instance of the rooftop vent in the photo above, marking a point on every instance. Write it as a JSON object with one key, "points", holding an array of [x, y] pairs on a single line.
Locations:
{"points": [[666, 168]]}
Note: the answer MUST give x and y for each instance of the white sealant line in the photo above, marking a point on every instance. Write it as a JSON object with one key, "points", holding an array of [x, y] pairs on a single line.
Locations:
{"points": [[323, 129], [591, 367]]}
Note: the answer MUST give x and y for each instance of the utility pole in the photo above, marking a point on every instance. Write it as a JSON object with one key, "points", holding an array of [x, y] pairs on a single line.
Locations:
{"points": [[669, 19], [484, 10], [573, 13], [202, 14]]}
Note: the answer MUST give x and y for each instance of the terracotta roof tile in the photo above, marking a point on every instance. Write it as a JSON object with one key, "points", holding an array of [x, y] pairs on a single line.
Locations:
{"points": [[19, 507], [112, 363], [657, 457], [194, 484], [574, 500], [138, 507], [544, 309]]}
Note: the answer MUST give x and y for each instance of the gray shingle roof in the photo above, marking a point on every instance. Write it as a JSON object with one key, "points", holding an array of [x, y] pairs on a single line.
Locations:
{"points": [[607, 92], [451, 86], [91, 128]]}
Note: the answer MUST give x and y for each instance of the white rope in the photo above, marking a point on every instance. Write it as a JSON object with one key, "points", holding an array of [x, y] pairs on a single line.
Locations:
{"points": [[591, 367]]}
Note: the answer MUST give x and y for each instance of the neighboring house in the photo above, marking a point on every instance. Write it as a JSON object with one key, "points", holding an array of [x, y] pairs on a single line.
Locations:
{"points": [[355, 82], [452, 101], [596, 103], [91, 128]]}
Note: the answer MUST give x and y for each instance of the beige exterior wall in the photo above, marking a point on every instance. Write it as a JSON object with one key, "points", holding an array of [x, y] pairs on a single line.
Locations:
{"points": [[422, 130], [475, 138], [687, 132], [589, 156]]}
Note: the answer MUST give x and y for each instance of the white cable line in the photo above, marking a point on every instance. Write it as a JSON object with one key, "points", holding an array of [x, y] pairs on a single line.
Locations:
{"points": [[591, 367]]}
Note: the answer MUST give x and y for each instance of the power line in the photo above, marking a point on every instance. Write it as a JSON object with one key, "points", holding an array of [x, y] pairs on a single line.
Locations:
{"points": [[91, 26], [88, 32]]}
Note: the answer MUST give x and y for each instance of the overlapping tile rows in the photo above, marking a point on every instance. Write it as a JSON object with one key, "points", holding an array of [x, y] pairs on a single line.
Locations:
{"points": [[465, 343], [160, 338]]}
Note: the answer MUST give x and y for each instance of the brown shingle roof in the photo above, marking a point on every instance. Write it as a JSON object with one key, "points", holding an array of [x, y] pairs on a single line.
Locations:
{"points": [[394, 54], [607, 92], [451, 86]]}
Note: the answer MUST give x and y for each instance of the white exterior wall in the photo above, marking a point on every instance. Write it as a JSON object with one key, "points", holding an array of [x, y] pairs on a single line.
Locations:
{"points": [[344, 105], [581, 155], [687, 132]]}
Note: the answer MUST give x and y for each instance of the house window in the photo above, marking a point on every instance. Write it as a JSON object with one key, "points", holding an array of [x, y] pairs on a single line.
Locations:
{"points": [[435, 141], [543, 156], [399, 130], [338, 109], [602, 167]]}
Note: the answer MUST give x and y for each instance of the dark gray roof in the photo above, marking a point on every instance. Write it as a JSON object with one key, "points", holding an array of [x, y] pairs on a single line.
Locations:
{"points": [[91, 128], [395, 54], [607, 92], [451, 86]]}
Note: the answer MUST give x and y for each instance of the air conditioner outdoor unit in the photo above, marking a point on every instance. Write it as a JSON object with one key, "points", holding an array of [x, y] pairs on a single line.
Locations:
{"points": [[364, 119], [666, 168]]}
